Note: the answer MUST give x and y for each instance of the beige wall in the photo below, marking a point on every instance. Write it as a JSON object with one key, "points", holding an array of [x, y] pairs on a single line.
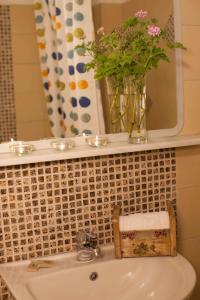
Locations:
{"points": [[188, 207], [191, 62], [31, 111], [107, 15], [188, 159]]}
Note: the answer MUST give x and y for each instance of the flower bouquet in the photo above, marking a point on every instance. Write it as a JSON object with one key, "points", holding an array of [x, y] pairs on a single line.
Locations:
{"points": [[124, 57]]}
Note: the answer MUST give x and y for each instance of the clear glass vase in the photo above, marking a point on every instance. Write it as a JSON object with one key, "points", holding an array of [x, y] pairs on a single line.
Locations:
{"points": [[135, 109], [127, 102], [114, 92]]}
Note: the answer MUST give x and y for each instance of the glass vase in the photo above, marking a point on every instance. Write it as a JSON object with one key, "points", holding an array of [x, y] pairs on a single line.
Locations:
{"points": [[134, 112], [114, 92]]}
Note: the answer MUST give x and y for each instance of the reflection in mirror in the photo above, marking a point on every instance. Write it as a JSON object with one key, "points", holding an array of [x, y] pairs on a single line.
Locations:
{"points": [[65, 100], [161, 82]]}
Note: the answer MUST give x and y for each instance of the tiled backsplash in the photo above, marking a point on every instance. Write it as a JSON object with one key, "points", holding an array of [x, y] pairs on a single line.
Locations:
{"points": [[43, 205], [7, 97]]}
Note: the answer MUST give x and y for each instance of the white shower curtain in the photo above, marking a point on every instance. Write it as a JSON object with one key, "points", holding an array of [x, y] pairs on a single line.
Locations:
{"points": [[73, 96]]}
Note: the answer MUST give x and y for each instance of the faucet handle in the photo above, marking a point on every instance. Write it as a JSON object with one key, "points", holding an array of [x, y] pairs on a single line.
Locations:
{"points": [[86, 240], [92, 239]]}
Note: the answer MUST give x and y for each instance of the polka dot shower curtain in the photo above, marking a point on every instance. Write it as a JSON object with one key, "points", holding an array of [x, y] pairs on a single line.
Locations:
{"points": [[73, 97]]}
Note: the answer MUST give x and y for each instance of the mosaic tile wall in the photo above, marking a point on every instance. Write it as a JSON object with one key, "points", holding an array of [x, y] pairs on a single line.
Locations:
{"points": [[169, 28], [7, 98], [43, 205]]}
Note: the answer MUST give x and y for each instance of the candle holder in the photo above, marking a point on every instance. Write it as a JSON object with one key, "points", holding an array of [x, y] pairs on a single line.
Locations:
{"points": [[21, 148], [97, 141], [62, 145]]}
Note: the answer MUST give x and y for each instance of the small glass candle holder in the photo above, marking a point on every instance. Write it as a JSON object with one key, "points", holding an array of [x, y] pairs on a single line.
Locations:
{"points": [[97, 141], [21, 148], [62, 145]]}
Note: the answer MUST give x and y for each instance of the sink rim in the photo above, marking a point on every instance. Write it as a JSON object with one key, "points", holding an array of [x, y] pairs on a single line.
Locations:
{"points": [[17, 278]]}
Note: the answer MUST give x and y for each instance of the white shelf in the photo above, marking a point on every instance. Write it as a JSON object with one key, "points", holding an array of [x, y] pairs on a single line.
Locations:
{"points": [[41, 155]]}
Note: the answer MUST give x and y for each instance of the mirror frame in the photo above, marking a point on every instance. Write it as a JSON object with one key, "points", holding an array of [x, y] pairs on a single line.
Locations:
{"points": [[160, 133], [179, 80]]}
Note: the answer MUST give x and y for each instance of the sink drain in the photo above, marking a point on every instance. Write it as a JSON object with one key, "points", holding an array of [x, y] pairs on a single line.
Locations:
{"points": [[93, 276]]}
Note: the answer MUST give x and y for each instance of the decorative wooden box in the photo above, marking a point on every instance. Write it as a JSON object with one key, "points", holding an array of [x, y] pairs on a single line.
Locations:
{"points": [[140, 243]]}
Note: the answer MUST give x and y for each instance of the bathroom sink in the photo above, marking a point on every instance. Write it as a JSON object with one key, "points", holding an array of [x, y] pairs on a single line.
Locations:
{"points": [[158, 278]]}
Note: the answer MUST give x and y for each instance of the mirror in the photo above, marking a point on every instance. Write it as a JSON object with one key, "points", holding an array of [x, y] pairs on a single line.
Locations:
{"points": [[161, 82], [23, 111]]}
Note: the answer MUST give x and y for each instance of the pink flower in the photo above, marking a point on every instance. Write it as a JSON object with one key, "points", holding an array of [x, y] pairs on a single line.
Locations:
{"points": [[141, 14], [153, 30]]}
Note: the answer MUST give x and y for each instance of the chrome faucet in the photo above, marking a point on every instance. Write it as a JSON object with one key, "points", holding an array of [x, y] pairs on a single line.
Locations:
{"points": [[87, 246]]}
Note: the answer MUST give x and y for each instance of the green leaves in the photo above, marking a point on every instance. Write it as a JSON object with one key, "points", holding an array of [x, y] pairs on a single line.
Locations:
{"points": [[129, 50], [176, 45], [130, 22], [154, 21]]}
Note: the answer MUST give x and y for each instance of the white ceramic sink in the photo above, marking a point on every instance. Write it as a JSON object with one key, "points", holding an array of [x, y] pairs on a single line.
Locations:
{"points": [[160, 278]]}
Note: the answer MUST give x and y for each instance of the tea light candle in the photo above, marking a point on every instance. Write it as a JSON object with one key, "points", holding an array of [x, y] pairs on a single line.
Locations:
{"points": [[97, 141], [62, 145], [21, 148]]}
